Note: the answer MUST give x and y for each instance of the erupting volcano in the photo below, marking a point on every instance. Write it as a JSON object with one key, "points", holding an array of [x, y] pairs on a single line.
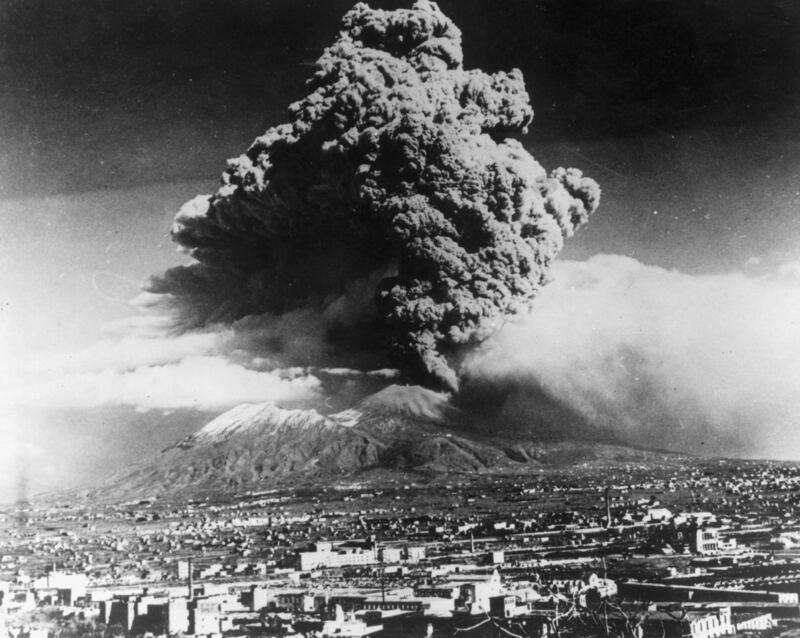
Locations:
{"points": [[391, 214]]}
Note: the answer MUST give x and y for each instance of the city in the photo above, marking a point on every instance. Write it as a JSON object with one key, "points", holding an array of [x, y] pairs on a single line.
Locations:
{"points": [[705, 549]]}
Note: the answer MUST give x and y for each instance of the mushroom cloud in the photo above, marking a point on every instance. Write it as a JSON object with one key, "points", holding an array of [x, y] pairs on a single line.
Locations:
{"points": [[398, 162]]}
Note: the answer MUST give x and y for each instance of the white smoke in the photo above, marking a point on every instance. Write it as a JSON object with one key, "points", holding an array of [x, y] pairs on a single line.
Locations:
{"points": [[146, 370], [661, 358], [205, 383]]}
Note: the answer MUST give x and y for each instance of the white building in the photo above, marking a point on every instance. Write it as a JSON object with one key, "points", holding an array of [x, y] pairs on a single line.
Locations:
{"points": [[497, 557], [324, 557], [477, 590], [707, 541], [414, 554], [390, 554], [344, 626], [656, 514]]}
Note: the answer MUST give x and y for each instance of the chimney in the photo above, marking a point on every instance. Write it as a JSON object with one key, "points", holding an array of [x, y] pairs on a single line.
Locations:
{"points": [[608, 507], [191, 579]]}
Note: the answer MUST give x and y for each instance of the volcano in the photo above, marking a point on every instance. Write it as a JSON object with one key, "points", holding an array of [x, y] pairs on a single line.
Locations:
{"points": [[401, 430]]}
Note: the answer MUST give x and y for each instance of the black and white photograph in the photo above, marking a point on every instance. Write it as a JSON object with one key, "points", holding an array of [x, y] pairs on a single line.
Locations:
{"points": [[399, 318]]}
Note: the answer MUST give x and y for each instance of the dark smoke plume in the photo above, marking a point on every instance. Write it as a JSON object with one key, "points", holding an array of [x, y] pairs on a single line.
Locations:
{"points": [[397, 158]]}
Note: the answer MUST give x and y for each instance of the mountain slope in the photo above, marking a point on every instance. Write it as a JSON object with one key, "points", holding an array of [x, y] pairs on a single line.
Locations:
{"points": [[401, 428]]}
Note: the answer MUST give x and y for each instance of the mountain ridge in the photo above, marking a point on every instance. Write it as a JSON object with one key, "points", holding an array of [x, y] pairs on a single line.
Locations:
{"points": [[398, 430]]}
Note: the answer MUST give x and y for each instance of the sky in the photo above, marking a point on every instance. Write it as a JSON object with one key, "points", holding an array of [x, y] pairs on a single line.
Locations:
{"points": [[685, 112]]}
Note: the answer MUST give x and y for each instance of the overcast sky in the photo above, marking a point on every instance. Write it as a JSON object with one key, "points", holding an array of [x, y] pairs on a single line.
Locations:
{"points": [[113, 114]]}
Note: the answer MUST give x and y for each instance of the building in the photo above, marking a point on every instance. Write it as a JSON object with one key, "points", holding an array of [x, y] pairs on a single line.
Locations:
{"points": [[390, 554], [752, 622], [429, 606], [347, 601], [659, 592], [206, 616], [183, 569], [169, 617], [658, 514], [706, 541], [451, 591], [324, 556], [177, 616], [295, 601], [347, 625], [119, 611], [62, 588], [386, 603], [674, 624], [415, 554], [504, 606], [476, 590], [256, 598]]}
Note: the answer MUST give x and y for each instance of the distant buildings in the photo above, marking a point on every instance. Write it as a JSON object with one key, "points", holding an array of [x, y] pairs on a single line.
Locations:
{"points": [[233, 568], [324, 554]]}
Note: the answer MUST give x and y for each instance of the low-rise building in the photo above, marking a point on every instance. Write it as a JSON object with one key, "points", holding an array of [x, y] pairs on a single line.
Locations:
{"points": [[753, 622], [324, 556]]}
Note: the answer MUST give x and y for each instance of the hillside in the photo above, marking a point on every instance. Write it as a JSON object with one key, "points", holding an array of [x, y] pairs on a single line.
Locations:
{"points": [[399, 429]]}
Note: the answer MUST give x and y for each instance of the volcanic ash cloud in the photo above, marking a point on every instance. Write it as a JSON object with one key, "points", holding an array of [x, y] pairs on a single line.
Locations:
{"points": [[396, 162]]}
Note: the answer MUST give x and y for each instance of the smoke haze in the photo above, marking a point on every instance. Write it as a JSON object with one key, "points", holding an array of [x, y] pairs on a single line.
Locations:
{"points": [[656, 357]]}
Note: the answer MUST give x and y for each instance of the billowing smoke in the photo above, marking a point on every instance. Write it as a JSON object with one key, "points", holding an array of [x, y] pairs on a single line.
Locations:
{"points": [[396, 164], [649, 356]]}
